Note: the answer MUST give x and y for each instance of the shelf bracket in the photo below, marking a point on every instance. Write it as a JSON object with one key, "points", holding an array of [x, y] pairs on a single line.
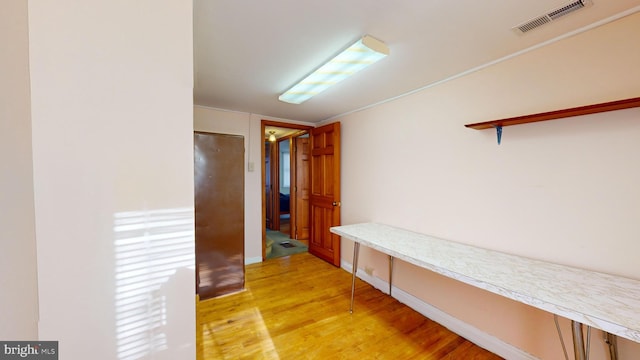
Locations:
{"points": [[498, 132]]}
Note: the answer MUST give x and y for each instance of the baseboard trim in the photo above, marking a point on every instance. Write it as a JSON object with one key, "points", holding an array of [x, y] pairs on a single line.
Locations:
{"points": [[252, 260], [469, 332]]}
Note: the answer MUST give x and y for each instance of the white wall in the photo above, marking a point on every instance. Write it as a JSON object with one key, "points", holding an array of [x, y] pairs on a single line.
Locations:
{"points": [[18, 280], [112, 109], [249, 126], [565, 191]]}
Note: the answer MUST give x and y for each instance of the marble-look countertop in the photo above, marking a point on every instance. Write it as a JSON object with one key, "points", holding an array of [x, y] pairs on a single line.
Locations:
{"points": [[606, 302]]}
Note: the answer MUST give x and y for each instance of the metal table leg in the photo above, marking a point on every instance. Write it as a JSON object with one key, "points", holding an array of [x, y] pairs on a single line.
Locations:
{"points": [[578, 341], [390, 273], [612, 341], [354, 269]]}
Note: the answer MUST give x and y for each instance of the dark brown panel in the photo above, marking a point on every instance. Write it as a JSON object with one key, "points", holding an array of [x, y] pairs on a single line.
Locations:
{"points": [[219, 213]]}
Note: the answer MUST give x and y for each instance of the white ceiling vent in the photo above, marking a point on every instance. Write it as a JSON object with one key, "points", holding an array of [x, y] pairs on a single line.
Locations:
{"points": [[552, 15]]}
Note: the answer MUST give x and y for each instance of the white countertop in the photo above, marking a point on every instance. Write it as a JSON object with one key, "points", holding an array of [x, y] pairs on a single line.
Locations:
{"points": [[606, 302]]}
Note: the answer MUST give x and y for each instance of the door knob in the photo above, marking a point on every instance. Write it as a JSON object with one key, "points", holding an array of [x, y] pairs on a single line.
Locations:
{"points": [[336, 203]]}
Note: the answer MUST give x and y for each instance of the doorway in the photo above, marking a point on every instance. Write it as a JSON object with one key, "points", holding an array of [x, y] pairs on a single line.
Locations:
{"points": [[324, 191], [286, 178]]}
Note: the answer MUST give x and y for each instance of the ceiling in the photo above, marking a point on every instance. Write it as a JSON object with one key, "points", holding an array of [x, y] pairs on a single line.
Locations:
{"points": [[247, 52]]}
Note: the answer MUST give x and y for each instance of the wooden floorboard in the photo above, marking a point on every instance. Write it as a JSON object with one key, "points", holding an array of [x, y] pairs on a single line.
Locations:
{"points": [[296, 307]]}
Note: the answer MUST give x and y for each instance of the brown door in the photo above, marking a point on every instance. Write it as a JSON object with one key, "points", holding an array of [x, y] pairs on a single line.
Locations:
{"points": [[219, 213], [300, 213], [274, 191], [268, 185], [325, 192]]}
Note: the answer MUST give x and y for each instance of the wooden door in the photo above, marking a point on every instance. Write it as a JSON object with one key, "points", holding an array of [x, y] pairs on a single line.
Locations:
{"points": [[272, 186], [219, 213], [274, 148], [268, 185], [325, 192], [300, 214]]}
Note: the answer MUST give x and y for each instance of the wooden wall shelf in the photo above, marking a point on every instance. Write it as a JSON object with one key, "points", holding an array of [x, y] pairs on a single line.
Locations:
{"points": [[558, 114]]}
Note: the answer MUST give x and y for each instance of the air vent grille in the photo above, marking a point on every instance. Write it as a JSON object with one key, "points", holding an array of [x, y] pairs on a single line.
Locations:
{"points": [[577, 5], [532, 24], [551, 15]]}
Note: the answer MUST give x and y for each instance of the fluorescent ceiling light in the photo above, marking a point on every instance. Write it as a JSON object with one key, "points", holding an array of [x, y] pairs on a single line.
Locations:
{"points": [[356, 57]]}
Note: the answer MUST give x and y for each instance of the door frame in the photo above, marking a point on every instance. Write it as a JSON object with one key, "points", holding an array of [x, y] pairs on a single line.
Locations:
{"points": [[263, 125]]}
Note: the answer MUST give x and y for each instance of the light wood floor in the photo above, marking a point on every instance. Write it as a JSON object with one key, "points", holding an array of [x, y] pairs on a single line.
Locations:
{"points": [[297, 308]]}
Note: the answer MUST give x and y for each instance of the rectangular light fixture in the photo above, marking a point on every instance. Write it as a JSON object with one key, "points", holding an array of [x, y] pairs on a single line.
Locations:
{"points": [[356, 57]]}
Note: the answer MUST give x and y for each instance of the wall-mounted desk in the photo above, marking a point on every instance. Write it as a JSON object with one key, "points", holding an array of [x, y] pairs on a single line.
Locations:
{"points": [[607, 302]]}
